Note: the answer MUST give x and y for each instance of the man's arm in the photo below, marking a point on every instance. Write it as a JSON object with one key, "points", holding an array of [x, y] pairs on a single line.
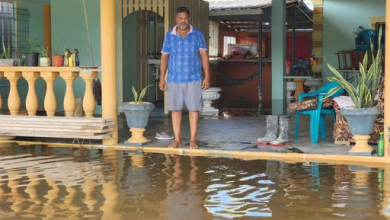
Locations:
{"points": [[206, 67], [163, 70]]}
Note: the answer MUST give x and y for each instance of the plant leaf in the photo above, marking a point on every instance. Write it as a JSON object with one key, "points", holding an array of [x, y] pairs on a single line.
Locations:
{"points": [[135, 94], [143, 92]]}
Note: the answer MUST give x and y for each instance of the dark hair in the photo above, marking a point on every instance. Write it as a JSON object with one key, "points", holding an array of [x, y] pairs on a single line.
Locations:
{"points": [[182, 9]]}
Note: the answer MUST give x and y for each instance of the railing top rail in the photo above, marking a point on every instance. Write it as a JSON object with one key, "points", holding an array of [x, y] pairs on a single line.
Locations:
{"points": [[49, 69]]}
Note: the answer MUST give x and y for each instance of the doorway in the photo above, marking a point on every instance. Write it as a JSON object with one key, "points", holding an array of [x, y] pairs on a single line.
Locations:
{"points": [[142, 34]]}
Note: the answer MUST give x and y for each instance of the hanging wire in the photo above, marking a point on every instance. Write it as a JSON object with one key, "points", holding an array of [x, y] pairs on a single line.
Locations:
{"points": [[88, 34]]}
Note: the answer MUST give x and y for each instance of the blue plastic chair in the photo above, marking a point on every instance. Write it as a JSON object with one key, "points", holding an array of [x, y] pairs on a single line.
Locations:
{"points": [[318, 115]]}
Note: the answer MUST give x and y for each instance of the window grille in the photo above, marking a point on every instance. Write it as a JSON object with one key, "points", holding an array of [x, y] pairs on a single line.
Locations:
{"points": [[14, 30]]}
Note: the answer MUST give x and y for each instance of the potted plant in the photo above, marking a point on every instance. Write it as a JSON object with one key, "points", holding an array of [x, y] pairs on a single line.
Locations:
{"points": [[44, 59], [31, 52], [362, 115], [57, 59], [137, 115], [5, 57]]}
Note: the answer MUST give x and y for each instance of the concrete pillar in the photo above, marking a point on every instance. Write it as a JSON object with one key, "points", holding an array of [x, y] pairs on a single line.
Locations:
{"points": [[47, 26], [89, 99], [50, 102], [387, 81], [31, 99], [69, 99], [109, 74], [278, 47], [13, 98]]}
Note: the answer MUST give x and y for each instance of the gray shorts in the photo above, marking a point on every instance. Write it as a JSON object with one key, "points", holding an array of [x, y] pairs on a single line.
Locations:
{"points": [[189, 94]]}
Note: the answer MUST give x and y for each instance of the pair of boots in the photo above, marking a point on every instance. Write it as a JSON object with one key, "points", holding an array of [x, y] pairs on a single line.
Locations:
{"points": [[276, 123]]}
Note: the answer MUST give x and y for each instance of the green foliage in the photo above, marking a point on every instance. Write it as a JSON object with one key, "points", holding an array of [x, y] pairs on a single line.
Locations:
{"points": [[57, 50], [31, 46], [44, 52], [142, 93], [367, 79], [6, 52]]}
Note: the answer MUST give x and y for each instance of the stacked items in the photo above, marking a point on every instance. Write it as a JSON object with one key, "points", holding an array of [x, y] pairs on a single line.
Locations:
{"points": [[55, 127]]}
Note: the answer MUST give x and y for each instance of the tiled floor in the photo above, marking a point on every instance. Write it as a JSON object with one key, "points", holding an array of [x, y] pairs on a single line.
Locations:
{"points": [[236, 134]]}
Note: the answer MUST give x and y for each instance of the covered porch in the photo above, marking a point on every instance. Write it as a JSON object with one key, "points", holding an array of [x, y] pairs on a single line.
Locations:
{"points": [[239, 136]]}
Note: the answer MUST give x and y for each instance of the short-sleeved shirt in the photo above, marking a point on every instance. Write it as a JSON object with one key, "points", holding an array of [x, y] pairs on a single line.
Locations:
{"points": [[184, 63]]}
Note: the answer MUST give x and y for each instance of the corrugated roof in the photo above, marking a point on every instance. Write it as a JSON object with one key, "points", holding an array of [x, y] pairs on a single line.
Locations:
{"points": [[236, 4]]}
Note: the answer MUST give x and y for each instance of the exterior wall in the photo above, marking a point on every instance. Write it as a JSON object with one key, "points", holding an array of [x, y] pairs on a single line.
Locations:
{"points": [[340, 19], [69, 31]]}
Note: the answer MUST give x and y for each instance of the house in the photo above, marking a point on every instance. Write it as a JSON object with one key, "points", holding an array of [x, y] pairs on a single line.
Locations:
{"points": [[334, 23]]}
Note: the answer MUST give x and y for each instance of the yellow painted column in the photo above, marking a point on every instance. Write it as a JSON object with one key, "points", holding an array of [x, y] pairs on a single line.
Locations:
{"points": [[31, 99], [108, 57], [1, 101], [387, 81], [50, 103], [89, 99], [47, 26], [13, 98], [69, 99]]}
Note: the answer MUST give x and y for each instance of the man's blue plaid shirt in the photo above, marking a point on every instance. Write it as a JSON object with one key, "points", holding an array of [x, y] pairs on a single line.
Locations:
{"points": [[184, 63]]}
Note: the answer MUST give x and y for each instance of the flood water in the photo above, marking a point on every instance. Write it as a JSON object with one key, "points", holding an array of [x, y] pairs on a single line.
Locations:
{"points": [[40, 182]]}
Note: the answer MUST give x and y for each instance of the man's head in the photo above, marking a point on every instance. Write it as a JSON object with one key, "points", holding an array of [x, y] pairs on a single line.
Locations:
{"points": [[182, 17]]}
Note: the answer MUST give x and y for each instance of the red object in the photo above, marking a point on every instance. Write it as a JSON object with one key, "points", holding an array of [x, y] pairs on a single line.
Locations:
{"points": [[57, 60], [237, 57]]}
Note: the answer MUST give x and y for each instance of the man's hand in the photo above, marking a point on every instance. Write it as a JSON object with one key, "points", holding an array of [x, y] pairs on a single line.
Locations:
{"points": [[162, 84], [206, 84]]}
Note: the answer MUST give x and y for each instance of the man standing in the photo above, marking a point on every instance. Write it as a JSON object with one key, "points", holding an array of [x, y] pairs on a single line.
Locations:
{"points": [[184, 53]]}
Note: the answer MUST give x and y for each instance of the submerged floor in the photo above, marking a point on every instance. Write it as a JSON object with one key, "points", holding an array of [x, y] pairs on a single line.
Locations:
{"points": [[236, 137], [42, 182]]}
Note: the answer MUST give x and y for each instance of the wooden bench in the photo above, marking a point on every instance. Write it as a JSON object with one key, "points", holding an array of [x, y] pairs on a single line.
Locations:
{"points": [[56, 127]]}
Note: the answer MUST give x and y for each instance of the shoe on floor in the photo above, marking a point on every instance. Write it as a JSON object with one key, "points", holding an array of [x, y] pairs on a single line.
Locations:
{"points": [[163, 136]]}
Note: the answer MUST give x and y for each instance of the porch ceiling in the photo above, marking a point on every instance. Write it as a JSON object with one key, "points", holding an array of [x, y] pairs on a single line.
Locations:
{"points": [[243, 15]]}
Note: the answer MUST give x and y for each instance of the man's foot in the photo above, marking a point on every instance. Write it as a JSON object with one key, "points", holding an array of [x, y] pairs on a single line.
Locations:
{"points": [[194, 145], [175, 144]]}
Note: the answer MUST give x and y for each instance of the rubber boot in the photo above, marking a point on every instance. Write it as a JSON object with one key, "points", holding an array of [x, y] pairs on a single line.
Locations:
{"points": [[272, 131], [284, 126]]}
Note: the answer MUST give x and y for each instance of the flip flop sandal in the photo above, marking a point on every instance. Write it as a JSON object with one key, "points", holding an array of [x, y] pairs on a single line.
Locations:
{"points": [[171, 145], [163, 136], [194, 146]]}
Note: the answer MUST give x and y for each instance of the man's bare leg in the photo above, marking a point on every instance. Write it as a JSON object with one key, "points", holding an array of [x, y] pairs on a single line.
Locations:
{"points": [[176, 124], [194, 117]]}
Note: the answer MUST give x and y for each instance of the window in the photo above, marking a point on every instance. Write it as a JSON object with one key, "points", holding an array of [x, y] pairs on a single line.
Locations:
{"points": [[14, 28], [7, 27], [226, 41]]}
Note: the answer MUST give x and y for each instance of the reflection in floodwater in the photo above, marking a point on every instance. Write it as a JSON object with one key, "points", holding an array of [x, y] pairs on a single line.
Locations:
{"points": [[40, 182]]}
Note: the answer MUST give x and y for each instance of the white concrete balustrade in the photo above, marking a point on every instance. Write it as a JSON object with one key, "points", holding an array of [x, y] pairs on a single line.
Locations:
{"points": [[50, 74]]}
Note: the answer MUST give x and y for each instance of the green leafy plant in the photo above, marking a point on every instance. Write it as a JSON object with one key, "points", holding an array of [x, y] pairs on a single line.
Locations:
{"points": [[57, 51], [44, 52], [31, 46], [368, 78], [6, 52], [142, 93]]}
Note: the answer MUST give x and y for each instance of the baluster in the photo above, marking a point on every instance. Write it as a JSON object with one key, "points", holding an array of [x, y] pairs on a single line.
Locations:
{"points": [[88, 188], [89, 99], [13, 98], [50, 97], [32, 187], [54, 192], [17, 199], [1, 101], [69, 99], [31, 100]]}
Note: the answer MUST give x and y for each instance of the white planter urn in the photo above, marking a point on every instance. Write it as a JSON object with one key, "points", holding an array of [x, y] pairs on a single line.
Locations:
{"points": [[208, 96], [313, 83], [290, 86]]}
